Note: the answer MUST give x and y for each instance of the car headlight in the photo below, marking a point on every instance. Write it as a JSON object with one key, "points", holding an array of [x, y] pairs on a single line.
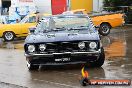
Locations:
{"points": [[42, 47], [92, 45], [31, 48], [81, 45]]}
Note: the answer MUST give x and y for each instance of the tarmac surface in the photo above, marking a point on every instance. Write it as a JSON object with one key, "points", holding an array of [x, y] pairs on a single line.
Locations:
{"points": [[118, 65]]}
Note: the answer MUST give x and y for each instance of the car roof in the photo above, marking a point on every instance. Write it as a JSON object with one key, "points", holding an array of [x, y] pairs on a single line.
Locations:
{"points": [[44, 14], [78, 10]]}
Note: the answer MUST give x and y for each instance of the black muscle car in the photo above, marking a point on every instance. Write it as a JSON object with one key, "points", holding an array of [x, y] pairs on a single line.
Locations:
{"points": [[64, 39]]}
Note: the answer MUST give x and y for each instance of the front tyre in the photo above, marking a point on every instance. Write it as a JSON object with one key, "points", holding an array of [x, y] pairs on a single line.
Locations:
{"points": [[32, 67], [104, 29], [8, 36], [100, 61]]}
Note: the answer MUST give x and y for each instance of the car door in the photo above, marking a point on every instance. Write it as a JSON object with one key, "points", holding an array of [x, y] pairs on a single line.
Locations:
{"points": [[15, 28], [29, 22]]}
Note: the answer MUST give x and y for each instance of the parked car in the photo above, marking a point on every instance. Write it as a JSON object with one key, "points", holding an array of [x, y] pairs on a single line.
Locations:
{"points": [[105, 21], [10, 31], [64, 39]]}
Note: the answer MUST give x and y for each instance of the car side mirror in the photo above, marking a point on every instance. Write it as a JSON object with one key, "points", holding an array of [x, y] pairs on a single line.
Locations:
{"points": [[97, 27], [32, 30]]}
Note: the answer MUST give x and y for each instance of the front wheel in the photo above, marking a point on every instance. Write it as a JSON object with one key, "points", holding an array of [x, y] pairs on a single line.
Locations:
{"points": [[100, 61], [104, 29], [8, 36], [31, 66]]}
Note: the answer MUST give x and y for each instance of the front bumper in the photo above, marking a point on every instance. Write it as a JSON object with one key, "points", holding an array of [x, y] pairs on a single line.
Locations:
{"points": [[63, 58], [71, 53]]}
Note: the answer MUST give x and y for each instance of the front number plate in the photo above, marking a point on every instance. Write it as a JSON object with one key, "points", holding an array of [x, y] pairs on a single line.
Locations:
{"points": [[62, 59]]}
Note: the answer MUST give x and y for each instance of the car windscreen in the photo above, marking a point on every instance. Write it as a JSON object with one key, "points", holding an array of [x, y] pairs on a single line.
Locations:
{"points": [[24, 20], [65, 23]]}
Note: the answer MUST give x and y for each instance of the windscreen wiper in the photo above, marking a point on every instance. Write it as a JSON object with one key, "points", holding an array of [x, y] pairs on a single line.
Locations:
{"points": [[59, 29], [78, 28]]}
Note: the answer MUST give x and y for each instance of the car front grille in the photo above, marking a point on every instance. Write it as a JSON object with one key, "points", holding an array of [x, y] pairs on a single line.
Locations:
{"points": [[61, 47]]}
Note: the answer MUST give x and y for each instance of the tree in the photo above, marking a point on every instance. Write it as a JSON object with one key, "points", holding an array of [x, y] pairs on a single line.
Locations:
{"points": [[114, 3]]}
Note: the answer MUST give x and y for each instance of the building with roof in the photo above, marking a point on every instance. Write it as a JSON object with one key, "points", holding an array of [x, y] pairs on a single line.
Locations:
{"points": [[51, 6]]}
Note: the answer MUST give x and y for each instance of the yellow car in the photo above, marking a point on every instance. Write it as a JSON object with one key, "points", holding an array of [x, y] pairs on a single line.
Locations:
{"points": [[105, 21], [10, 31]]}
